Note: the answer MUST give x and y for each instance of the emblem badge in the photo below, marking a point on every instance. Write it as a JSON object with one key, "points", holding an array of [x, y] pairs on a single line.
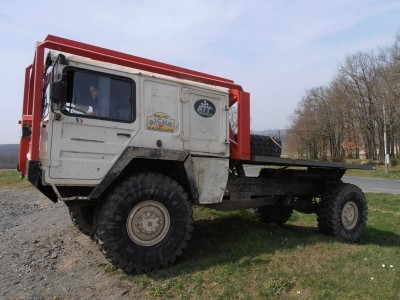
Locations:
{"points": [[204, 108]]}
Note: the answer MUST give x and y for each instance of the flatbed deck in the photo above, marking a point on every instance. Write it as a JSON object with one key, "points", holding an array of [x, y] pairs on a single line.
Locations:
{"points": [[289, 162]]}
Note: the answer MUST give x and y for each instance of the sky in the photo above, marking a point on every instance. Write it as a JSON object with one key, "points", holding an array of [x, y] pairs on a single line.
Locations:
{"points": [[275, 49]]}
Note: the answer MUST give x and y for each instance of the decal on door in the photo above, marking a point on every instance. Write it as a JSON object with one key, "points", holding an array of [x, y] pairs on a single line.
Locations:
{"points": [[160, 121], [204, 108]]}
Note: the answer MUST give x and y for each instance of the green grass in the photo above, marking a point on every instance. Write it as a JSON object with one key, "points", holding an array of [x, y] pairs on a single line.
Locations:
{"points": [[394, 173], [11, 178], [233, 256]]}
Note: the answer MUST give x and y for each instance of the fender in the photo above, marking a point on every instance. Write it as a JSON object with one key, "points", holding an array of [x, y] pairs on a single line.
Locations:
{"points": [[131, 153]]}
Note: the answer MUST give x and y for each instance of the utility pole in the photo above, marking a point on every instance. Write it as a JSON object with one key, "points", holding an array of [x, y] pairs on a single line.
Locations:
{"points": [[384, 141]]}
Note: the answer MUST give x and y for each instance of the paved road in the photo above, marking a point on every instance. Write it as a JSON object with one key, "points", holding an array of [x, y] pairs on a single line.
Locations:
{"points": [[375, 185], [368, 185]]}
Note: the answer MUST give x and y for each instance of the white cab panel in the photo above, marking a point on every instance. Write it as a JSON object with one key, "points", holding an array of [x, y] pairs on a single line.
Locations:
{"points": [[211, 177], [161, 114], [205, 119]]}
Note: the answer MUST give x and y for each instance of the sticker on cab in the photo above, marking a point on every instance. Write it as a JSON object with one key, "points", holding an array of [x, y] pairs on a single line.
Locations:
{"points": [[160, 121], [204, 108]]}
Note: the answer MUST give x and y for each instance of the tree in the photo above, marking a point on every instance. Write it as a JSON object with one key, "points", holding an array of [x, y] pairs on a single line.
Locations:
{"points": [[233, 118], [347, 115]]}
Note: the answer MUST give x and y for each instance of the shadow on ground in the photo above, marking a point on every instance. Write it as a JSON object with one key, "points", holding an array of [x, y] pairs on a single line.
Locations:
{"points": [[241, 240]]}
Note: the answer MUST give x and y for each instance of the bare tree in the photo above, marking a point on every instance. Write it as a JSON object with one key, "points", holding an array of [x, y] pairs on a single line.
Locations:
{"points": [[347, 115], [233, 118]]}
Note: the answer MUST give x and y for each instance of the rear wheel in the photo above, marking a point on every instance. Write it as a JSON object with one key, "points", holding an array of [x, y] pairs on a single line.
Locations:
{"points": [[277, 214], [145, 223], [343, 212]]}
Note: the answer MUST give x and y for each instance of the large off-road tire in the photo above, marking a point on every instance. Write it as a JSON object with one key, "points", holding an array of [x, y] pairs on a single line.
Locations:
{"points": [[343, 212], [144, 223], [277, 214], [265, 145], [82, 214]]}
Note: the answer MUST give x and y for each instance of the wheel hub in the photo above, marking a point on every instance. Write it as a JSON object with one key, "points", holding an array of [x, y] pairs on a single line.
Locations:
{"points": [[350, 215], [148, 223]]}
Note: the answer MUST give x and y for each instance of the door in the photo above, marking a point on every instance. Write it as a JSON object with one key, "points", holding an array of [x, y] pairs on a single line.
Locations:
{"points": [[205, 126], [93, 128]]}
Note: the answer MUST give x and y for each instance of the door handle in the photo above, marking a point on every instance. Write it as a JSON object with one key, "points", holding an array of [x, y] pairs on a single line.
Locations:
{"points": [[124, 134]]}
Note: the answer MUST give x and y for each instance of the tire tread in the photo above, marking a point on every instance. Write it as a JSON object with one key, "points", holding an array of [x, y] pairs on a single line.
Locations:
{"points": [[329, 214], [123, 252]]}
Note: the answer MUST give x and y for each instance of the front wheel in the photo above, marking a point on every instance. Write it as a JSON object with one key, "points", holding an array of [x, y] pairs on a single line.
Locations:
{"points": [[82, 214], [145, 223], [343, 212]]}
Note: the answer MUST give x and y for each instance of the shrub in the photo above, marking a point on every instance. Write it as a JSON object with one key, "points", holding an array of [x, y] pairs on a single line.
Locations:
{"points": [[339, 159]]}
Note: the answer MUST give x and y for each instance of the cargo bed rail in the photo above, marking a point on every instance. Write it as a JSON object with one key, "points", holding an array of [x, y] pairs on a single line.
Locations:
{"points": [[289, 162]]}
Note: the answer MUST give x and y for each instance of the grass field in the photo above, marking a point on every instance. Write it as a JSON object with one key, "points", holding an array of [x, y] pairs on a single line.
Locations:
{"points": [[12, 178], [394, 173], [232, 255]]}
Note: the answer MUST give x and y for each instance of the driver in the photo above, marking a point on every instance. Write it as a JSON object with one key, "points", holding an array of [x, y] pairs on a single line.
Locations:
{"points": [[94, 95]]}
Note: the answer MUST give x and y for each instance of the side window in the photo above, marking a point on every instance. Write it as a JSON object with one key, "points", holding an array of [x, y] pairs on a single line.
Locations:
{"points": [[97, 95]]}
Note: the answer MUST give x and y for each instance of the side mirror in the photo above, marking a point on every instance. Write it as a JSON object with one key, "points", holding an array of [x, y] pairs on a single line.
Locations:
{"points": [[58, 92]]}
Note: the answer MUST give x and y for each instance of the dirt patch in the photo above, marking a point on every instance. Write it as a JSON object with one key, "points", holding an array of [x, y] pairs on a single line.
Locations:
{"points": [[43, 255]]}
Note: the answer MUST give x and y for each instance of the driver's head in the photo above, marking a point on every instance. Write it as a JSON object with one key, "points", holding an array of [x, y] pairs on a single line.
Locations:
{"points": [[94, 92]]}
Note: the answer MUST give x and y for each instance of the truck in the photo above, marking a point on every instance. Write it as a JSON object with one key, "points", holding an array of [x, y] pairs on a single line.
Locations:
{"points": [[131, 144]]}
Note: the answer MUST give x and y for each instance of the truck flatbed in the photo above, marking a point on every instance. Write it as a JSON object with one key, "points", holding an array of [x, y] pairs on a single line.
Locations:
{"points": [[289, 162]]}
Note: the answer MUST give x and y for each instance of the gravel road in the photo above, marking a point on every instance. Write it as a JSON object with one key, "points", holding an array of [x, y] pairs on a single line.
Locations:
{"points": [[43, 255]]}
